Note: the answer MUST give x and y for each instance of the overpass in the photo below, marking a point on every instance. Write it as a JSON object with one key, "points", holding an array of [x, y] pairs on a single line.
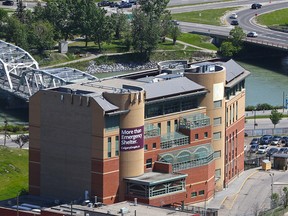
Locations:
{"points": [[21, 76]]}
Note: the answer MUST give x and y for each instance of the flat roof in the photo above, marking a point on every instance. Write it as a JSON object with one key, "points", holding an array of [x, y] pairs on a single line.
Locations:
{"points": [[280, 155], [140, 209], [153, 178], [181, 85], [128, 208]]}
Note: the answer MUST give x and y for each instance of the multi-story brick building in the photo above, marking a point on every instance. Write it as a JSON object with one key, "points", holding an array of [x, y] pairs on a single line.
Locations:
{"points": [[172, 137]]}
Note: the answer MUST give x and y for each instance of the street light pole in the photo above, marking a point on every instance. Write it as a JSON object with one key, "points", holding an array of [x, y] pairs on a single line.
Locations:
{"points": [[255, 118], [272, 182]]}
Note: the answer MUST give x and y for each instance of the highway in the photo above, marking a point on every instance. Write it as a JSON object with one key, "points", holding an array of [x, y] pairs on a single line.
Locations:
{"points": [[246, 20]]}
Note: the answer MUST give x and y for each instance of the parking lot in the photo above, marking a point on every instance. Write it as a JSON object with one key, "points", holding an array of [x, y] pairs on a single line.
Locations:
{"points": [[264, 149]]}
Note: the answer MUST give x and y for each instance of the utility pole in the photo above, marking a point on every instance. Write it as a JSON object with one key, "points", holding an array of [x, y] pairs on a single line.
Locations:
{"points": [[272, 182]]}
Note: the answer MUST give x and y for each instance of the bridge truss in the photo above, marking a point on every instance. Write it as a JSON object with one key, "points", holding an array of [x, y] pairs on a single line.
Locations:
{"points": [[20, 74]]}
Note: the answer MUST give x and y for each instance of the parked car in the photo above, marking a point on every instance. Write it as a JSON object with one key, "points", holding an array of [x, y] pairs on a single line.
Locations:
{"points": [[266, 139], [272, 151], [276, 140], [262, 149], [256, 6], [233, 16], [114, 4], [125, 5], [284, 141], [283, 150], [255, 140], [104, 3], [133, 2], [8, 3], [234, 22], [254, 148], [252, 34]]}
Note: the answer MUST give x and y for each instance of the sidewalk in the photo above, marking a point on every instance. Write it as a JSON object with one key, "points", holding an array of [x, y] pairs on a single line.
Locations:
{"points": [[263, 112]]}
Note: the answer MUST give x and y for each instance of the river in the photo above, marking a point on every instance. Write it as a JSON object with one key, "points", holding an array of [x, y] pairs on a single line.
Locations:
{"points": [[266, 84]]}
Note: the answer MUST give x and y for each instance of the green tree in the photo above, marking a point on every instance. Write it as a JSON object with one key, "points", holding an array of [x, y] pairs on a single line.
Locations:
{"points": [[20, 11], [3, 19], [274, 200], [233, 45], [285, 197], [102, 28], [87, 15], [60, 14], [154, 8], [41, 36], [145, 34], [175, 33], [166, 25], [120, 24], [237, 35], [275, 117], [227, 49], [16, 32], [146, 26]]}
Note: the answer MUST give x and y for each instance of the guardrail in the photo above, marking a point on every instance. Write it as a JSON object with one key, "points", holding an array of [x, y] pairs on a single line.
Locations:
{"points": [[266, 43], [263, 131]]}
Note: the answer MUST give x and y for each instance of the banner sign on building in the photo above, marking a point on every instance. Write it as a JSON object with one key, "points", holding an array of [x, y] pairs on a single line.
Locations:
{"points": [[131, 138]]}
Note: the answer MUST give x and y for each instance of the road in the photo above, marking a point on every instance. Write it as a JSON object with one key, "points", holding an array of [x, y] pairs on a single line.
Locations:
{"points": [[246, 21], [255, 194], [10, 143]]}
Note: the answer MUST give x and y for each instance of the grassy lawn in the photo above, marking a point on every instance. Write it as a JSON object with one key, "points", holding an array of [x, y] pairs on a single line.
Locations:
{"points": [[13, 172], [197, 40], [278, 17], [210, 17], [77, 48]]}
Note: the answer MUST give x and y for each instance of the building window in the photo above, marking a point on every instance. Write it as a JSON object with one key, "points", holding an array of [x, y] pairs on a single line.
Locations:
{"points": [[217, 174], [218, 104], [205, 134], [194, 194], [168, 126], [109, 147], [217, 154], [154, 145], [117, 145], [145, 147], [227, 117], [196, 136], [149, 163], [175, 125], [159, 126], [217, 121], [236, 112], [217, 135], [230, 119], [201, 192]]}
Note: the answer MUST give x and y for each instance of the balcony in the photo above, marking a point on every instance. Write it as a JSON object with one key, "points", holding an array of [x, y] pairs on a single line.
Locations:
{"points": [[173, 139], [151, 131], [194, 121]]}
